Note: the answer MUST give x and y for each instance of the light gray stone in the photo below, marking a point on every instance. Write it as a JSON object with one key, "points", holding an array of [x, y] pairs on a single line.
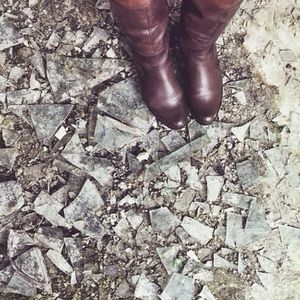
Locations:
{"points": [[248, 174], [214, 187], [59, 261], [168, 256], [237, 200], [220, 262], [145, 289]]}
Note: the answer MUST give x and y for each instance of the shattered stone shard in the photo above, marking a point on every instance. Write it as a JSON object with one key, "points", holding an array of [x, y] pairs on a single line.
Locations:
{"points": [[112, 134], [32, 264], [168, 256], [59, 261], [70, 77], [25, 96], [179, 287], [126, 94], [173, 141], [8, 35], [206, 294], [220, 262], [88, 200], [248, 174], [11, 198], [200, 232], [18, 241], [163, 220], [183, 202], [214, 187], [234, 226], [19, 285], [47, 118], [289, 234], [145, 289], [237, 200], [97, 35]]}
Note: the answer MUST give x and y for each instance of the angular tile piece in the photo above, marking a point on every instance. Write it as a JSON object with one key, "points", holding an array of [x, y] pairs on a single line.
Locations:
{"points": [[179, 287], [8, 35], [88, 200], [168, 256], [8, 157], [11, 198], [248, 174], [288, 234], [125, 94], [234, 226], [237, 200], [173, 141], [241, 132], [214, 187], [19, 285], [206, 294], [47, 118], [145, 289], [183, 202], [18, 241], [25, 96], [163, 220], [112, 134], [32, 264], [70, 77], [278, 158], [100, 168], [200, 232], [59, 261], [220, 262]]}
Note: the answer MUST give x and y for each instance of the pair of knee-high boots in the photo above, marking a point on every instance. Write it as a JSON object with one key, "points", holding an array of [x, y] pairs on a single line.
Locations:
{"points": [[201, 23]]}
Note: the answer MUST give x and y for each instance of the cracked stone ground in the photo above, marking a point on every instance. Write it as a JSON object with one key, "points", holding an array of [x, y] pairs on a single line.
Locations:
{"points": [[99, 201]]}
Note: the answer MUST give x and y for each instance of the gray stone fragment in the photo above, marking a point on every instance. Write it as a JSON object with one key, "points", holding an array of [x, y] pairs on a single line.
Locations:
{"points": [[48, 241], [38, 63], [47, 118], [237, 200], [123, 290], [179, 287], [19, 285], [163, 220], [25, 96], [88, 200], [289, 234], [134, 219], [70, 77], [91, 226], [220, 262], [214, 187], [126, 94], [122, 229], [234, 227], [168, 256], [200, 232], [3, 82], [59, 261], [204, 276], [258, 130], [145, 289], [16, 73], [95, 37], [173, 141], [206, 294], [11, 198], [8, 35], [183, 202], [18, 241], [31, 263], [248, 174], [182, 154], [241, 132], [267, 265], [112, 134], [241, 264], [268, 280], [278, 158], [100, 168], [8, 157]]}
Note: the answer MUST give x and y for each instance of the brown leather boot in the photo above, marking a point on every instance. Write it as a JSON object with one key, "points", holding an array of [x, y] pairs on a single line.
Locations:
{"points": [[146, 31], [201, 23]]}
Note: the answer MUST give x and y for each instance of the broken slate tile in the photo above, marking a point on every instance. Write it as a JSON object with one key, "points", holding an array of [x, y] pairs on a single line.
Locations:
{"points": [[179, 287], [204, 276], [88, 200], [20, 285], [206, 294], [38, 63], [248, 174], [48, 241], [278, 158], [112, 134], [99, 168], [47, 118], [183, 202], [163, 220], [126, 94], [266, 264], [97, 35], [145, 289], [234, 226], [173, 141], [200, 232], [241, 132], [31, 263], [168, 257], [214, 187], [25, 96], [18, 241], [8, 35], [220, 262], [134, 219], [70, 77], [237, 200], [289, 234], [11, 198], [59, 261], [8, 157], [122, 229], [268, 280]]}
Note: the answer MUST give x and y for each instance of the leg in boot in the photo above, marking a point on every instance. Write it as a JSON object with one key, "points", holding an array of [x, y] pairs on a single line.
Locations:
{"points": [[202, 22], [145, 24]]}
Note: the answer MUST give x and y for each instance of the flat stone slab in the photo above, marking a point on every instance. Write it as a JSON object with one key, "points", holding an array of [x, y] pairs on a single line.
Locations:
{"points": [[124, 102], [70, 77]]}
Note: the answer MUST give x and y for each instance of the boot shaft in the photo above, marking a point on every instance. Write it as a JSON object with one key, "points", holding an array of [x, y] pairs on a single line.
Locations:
{"points": [[145, 27], [203, 21]]}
